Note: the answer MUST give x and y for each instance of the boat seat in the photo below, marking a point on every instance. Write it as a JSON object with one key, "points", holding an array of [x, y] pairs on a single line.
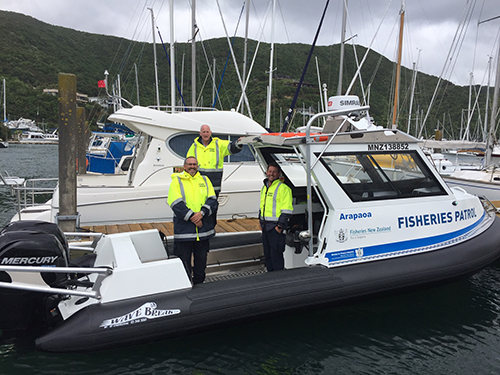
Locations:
{"points": [[149, 246]]}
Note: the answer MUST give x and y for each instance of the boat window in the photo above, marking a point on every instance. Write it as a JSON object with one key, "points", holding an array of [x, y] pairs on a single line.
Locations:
{"points": [[374, 176], [180, 145]]}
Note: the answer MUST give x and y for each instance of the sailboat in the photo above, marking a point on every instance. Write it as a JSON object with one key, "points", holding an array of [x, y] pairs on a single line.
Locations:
{"points": [[485, 182], [139, 195]]}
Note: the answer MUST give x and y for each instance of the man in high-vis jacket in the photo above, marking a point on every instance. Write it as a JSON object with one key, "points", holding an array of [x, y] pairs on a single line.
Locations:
{"points": [[210, 152], [192, 199], [275, 211]]}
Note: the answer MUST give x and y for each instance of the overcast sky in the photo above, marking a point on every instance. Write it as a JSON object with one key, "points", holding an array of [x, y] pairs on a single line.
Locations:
{"points": [[430, 25]]}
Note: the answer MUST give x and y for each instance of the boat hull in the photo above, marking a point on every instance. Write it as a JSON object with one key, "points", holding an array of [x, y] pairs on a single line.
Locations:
{"points": [[490, 190], [215, 304]]}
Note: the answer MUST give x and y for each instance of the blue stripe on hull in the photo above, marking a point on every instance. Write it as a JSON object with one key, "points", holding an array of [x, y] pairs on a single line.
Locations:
{"points": [[400, 248]]}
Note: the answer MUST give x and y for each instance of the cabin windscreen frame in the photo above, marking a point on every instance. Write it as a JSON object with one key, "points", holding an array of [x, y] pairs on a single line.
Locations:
{"points": [[369, 176]]}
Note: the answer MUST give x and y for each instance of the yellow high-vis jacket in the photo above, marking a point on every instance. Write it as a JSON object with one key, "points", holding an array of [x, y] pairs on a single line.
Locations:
{"points": [[211, 157], [276, 206], [189, 194]]}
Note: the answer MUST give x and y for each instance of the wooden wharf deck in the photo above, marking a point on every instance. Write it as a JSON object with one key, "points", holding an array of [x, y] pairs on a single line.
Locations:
{"points": [[223, 226]]}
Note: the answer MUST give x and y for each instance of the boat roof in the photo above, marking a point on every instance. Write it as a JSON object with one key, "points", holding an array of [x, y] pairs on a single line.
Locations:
{"points": [[161, 125], [356, 137]]}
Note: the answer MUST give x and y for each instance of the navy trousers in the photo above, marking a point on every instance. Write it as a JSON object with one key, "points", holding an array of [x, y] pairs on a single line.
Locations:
{"points": [[198, 250], [274, 247]]}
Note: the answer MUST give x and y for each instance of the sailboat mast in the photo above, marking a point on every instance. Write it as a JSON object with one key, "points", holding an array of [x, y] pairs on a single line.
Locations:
{"points": [[486, 110], [342, 42], [245, 47], [155, 62], [137, 84], [193, 55], [493, 119], [269, 87], [172, 56], [413, 83], [4, 102], [398, 69]]}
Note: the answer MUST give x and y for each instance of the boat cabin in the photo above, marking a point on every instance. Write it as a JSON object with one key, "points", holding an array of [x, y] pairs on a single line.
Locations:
{"points": [[373, 195]]}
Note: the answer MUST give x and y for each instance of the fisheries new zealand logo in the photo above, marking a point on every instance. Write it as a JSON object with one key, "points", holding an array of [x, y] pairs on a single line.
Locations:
{"points": [[139, 315], [341, 235]]}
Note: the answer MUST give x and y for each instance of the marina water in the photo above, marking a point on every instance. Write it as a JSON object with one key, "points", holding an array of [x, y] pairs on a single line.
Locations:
{"points": [[451, 329]]}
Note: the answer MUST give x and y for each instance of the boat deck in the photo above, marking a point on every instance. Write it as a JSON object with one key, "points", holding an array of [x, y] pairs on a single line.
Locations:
{"points": [[222, 263]]}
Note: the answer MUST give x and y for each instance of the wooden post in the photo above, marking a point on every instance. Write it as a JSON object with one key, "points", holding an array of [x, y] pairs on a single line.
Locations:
{"points": [[67, 216], [81, 142]]}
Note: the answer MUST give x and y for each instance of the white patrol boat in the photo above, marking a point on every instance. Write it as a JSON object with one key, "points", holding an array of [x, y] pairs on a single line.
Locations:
{"points": [[371, 216]]}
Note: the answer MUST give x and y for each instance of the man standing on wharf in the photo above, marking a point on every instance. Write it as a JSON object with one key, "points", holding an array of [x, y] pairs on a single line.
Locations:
{"points": [[192, 199], [275, 210], [210, 153]]}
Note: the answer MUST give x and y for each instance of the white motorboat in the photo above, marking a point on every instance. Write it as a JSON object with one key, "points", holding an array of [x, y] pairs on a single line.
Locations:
{"points": [[140, 195], [358, 230], [39, 138]]}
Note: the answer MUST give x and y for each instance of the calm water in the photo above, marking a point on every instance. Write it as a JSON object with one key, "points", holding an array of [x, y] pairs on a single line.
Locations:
{"points": [[26, 161], [453, 329]]}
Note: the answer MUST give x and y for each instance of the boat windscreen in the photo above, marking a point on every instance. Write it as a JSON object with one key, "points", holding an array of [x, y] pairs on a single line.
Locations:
{"points": [[180, 144], [374, 176]]}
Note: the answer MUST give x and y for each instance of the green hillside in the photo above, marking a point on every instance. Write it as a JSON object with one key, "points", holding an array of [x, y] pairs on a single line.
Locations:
{"points": [[32, 53]]}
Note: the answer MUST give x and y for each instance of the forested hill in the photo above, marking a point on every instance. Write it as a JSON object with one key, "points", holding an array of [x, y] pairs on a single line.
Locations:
{"points": [[32, 53]]}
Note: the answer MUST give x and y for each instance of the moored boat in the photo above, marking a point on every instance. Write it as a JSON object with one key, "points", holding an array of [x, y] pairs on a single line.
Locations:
{"points": [[139, 195], [37, 137], [358, 230]]}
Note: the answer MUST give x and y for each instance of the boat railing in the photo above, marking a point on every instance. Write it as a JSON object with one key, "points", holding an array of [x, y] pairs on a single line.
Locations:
{"points": [[488, 205], [41, 287], [310, 139], [33, 192], [168, 108]]}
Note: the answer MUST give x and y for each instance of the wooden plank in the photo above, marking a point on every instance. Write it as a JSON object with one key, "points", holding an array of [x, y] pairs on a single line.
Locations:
{"points": [[249, 224], [135, 227], [166, 228], [112, 229], [146, 226], [223, 226], [100, 229], [124, 228]]}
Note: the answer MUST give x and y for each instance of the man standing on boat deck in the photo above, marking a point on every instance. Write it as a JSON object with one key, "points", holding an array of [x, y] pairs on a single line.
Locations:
{"points": [[275, 210], [210, 152], [192, 199]]}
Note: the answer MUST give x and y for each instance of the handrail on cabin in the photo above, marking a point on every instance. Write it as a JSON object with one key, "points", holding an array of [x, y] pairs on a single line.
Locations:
{"points": [[308, 160]]}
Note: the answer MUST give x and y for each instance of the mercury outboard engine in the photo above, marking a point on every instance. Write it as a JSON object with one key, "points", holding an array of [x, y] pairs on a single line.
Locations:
{"points": [[30, 243]]}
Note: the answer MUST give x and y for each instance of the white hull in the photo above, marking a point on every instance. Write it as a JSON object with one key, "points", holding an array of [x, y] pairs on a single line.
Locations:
{"points": [[146, 204], [478, 183], [141, 195]]}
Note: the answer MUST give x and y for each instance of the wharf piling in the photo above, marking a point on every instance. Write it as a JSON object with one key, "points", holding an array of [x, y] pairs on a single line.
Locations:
{"points": [[67, 216]]}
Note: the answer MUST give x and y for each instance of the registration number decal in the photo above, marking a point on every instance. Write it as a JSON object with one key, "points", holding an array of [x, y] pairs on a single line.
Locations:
{"points": [[388, 146]]}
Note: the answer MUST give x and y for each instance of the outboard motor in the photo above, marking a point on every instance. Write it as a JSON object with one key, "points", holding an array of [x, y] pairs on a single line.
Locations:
{"points": [[30, 243]]}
